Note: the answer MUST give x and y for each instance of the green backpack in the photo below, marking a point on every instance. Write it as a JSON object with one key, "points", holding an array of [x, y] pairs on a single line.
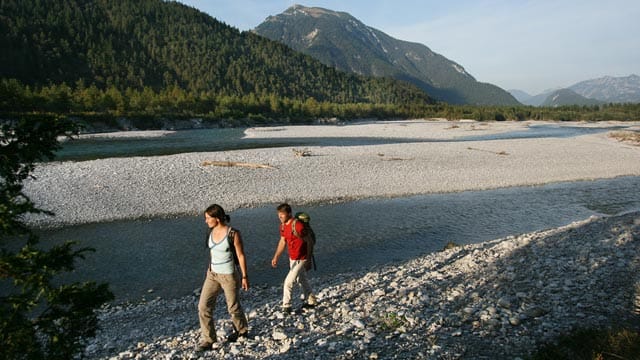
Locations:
{"points": [[308, 235]]}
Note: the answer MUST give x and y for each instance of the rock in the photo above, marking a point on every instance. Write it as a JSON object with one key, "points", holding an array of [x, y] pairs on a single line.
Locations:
{"points": [[278, 335], [495, 320]]}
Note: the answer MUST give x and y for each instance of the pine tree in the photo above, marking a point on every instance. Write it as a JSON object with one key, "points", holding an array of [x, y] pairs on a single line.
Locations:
{"points": [[39, 317]]}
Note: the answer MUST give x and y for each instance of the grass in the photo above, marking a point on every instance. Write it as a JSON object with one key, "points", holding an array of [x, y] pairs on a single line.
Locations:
{"points": [[593, 344], [391, 321], [450, 245], [632, 137]]}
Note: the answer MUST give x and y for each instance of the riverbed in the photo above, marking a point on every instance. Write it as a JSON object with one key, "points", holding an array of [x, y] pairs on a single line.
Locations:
{"points": [[165, 257], [378, 192]]}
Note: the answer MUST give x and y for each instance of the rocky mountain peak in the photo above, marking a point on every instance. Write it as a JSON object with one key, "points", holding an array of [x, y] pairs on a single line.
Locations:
{"points": [[315, 12], [340, 40], [610, 88]]}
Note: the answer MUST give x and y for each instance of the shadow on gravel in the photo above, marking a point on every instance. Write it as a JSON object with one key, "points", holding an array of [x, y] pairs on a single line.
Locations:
{"points": [[548, 284]]}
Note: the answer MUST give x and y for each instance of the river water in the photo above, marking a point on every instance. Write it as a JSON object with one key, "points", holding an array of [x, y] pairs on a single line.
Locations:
{"points": [[204, 140], [166, 256]]}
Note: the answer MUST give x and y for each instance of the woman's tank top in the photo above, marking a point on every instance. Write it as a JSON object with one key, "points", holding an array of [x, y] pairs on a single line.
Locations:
{"points": [[221, 256]]}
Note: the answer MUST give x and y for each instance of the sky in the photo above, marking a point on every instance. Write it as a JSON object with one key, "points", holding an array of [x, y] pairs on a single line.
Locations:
{"points": [[531, 46]]}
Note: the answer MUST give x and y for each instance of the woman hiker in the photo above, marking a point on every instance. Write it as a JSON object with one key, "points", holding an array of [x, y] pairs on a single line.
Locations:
{"points": [[227, 272]]}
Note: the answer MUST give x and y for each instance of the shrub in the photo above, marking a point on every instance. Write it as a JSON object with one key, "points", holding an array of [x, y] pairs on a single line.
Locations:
{"points": [[40, 318]]}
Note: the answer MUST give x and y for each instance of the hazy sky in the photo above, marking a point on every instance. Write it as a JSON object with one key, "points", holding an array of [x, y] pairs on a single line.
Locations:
{"points": [[528, 45]]}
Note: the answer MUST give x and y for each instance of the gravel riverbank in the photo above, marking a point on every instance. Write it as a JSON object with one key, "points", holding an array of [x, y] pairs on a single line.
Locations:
{"points": [[495, 300], [139, 187]]}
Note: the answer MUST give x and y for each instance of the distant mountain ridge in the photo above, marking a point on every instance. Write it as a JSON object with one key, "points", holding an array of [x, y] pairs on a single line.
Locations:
{"points": [[568, 97], [607, 89], [340, 40], [610, 89]]}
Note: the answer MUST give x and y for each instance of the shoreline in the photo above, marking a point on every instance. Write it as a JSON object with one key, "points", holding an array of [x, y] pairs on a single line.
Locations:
{"points": [[162, 186], [499, 299]]}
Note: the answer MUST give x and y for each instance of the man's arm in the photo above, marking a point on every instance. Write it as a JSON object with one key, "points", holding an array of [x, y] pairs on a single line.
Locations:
{"points": [[279, 251]]}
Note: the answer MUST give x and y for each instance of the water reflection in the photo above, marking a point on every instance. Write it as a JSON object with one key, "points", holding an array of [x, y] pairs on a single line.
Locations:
{"points": [[168, 255]]}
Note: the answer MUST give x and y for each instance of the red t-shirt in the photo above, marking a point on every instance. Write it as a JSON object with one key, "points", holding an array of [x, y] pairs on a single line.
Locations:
{"points": [[297, 247]]}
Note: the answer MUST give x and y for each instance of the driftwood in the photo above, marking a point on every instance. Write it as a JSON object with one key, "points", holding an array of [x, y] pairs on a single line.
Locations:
{"points": [[490, 151], [299, 153], [240, 164], [393, 158]]}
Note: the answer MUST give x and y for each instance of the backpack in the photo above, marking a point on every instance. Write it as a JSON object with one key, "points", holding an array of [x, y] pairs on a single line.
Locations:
{"points": [[308, 235], [232, 247]]}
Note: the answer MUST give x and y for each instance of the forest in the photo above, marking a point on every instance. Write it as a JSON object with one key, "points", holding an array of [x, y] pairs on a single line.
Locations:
{"points": [[150, 60], [147, 108], [138, 47]]}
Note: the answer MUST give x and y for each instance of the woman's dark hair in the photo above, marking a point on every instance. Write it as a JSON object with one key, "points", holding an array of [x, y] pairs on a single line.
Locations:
{"points": [[216, 211]]}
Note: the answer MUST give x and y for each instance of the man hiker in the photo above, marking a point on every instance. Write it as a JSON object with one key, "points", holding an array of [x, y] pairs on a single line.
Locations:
{"points": [[298, 258]]}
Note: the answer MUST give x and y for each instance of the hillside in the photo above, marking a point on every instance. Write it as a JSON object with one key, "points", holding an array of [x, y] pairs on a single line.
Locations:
{"points": [[338, 39], [127, 44], [607, 89], [567, 97], [610, 89]]}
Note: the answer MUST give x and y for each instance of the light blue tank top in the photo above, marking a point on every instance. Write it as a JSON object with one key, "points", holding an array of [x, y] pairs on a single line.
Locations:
{"points": [[221, 256]]}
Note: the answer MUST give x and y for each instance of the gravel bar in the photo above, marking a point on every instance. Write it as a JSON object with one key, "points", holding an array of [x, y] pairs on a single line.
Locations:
{"points": [[142, 187]]}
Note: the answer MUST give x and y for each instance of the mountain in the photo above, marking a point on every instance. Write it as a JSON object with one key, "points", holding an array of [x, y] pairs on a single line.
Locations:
{"points": [[606, 89], [156, 44], [521, 96], [532, 100], [611, 89], [567, 97], [340, 40]]}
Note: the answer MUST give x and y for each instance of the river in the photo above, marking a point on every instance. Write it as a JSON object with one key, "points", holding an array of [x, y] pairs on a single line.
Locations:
{"points": [[166, 256]]}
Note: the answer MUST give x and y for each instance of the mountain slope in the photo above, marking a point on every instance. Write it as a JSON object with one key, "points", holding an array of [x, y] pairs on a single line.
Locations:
{"points": [[567, 97], [611, 89], [521, 96], [338, 39], [162, 44], [532, 100]]}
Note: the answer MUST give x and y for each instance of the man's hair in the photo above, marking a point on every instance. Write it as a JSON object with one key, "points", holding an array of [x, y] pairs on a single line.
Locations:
{"points": [[284, 207]]}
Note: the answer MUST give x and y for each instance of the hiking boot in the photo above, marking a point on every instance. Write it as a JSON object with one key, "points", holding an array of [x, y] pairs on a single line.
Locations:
{"points": [[286, 309], [312, 301], [236, 335], [204, 346]]}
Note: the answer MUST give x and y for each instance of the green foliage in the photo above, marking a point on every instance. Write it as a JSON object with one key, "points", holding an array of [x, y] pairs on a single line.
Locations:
{"points": [[391, 321], [121, 47], [148, 59], [612, 112], [591, 344], [147, 107], [450, 245], [39, 317]]}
